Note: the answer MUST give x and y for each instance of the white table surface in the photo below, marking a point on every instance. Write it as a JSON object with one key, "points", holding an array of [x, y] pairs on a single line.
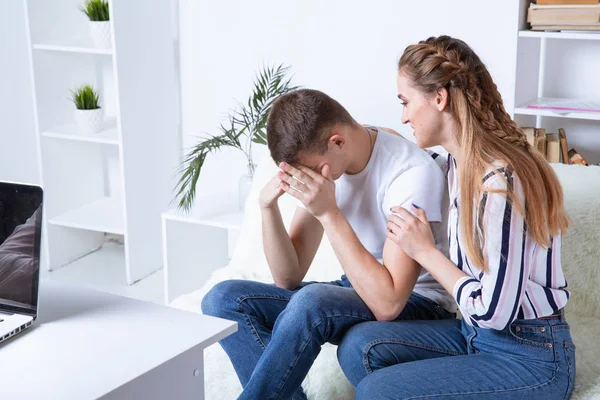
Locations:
{"points": [[86, 344]]}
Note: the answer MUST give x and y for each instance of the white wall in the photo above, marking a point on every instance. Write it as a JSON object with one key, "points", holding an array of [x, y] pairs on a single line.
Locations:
{"points": [[348, 49], [18, 149]]}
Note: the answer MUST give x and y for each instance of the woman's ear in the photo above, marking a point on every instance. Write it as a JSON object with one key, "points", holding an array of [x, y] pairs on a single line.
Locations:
{"points": [[442, 99]]}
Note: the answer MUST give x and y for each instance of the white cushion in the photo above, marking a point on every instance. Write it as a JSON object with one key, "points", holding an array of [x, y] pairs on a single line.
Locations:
{"points": [[580, 255], [581, 245]]}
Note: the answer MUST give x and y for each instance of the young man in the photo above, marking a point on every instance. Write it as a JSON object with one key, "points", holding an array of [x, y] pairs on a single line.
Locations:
{"points": [[346, 177]]}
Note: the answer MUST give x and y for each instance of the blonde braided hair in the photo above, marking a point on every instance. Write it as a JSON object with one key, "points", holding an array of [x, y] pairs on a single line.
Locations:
{"points": [[487, 134]]}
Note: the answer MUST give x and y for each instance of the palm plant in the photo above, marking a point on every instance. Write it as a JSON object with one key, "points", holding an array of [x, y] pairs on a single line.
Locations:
{"points": [[249, 120], [96, 10], [85, 98]]}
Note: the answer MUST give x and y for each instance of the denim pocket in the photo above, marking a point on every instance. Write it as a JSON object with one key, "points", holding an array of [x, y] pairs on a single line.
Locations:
{"points": [[570, 357], [533, 335]]}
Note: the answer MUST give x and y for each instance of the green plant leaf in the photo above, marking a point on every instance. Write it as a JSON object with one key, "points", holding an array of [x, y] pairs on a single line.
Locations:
{"points": [[192, 165], [249, 119], [96, 10], [85, 98]]}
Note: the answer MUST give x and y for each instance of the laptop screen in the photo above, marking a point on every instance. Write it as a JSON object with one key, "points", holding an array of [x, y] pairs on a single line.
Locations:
{"points": [[20, 242]]}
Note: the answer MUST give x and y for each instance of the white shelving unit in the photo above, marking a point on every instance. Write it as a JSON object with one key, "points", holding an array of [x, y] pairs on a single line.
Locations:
{"points": [[544, 39], [552, 65], [187, 264], [120, 180]]}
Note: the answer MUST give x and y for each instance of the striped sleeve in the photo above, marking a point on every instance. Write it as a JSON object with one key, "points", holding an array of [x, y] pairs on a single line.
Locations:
{"points": [[492, 299]]}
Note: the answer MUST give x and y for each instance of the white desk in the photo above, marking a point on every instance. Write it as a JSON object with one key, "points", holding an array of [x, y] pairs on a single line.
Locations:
{"points": [[89, 345]]}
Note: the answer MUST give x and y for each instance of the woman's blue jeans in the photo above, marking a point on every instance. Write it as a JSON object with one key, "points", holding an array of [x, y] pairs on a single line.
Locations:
{"points": [[280, 332], [531, 359]]}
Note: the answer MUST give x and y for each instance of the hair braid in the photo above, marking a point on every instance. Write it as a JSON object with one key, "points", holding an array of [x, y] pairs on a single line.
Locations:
{"points": [[486, 134]]}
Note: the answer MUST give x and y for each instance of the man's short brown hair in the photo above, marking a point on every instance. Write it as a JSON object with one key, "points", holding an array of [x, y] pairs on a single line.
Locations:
{"points": [[301, 121]]}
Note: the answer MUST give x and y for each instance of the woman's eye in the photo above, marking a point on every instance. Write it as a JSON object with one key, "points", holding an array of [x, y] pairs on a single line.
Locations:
{"points": [[403, 104]]}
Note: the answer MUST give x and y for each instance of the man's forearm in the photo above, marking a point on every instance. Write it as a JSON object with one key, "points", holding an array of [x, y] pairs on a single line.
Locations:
{"points": [[371, 280], [441, 268], [279, 249]]}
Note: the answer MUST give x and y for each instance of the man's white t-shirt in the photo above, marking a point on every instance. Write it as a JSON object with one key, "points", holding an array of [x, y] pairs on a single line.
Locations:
{"points": [[398, 174]]}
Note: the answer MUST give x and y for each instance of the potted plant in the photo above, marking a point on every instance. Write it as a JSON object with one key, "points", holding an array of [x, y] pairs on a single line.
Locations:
{"points": [[247, 121], [88, 114], [97, 12]]}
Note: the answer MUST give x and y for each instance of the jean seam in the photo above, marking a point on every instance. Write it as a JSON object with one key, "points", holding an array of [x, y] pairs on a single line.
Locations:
{"points": [[260, 296], [241, 299], [372, 344], [569, 347], [487, 391], [560, 327], [528, 342], [255, 332], [303, 347]]}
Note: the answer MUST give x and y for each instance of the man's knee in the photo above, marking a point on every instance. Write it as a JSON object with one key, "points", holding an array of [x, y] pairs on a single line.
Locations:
{"points": [[369, 389], [222, 297], [310, 299]]}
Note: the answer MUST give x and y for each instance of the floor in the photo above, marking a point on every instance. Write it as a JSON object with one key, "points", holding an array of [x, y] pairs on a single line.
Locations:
{"points": [[104, 270]]}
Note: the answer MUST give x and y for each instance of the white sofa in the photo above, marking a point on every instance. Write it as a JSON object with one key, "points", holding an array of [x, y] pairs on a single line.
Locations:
{"points": [[325, 381]]}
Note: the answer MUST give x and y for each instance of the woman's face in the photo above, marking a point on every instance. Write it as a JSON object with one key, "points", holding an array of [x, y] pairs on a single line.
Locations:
{"points": [[421, 111]]}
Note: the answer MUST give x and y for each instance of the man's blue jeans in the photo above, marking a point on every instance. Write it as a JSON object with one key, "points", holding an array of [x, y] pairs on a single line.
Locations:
{"points": [[280, 332], [434, 360]]}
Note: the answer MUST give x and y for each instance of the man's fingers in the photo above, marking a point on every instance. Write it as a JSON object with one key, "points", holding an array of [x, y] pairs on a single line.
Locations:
{"points": [[314, 175], [291, 191], [296, 173], [295, 183]]}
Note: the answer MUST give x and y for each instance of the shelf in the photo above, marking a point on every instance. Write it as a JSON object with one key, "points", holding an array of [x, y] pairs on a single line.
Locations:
{"points": [[594, 116], [592, 35], [73, 45], [587, 107], [230, 220], [104, 215], [109, 134]]}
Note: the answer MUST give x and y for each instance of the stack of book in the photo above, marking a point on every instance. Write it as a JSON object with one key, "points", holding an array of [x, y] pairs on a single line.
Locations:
{"points": [[579, 15], [553, 146]]}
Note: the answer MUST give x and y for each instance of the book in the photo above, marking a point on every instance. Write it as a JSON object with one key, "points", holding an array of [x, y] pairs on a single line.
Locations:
{"points": [[561, 17], [563, 145], [540, 140], [577, 158], [552, 148], [564, 15], [562, 4], [563, 28], [530, 134]]}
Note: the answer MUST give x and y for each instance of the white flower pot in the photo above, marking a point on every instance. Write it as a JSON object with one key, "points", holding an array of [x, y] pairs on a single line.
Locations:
{"points": [[89, 122], [100, 32]]}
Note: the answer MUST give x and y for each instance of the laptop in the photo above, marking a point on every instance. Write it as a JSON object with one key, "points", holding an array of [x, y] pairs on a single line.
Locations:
{"points": [[20, 244]]}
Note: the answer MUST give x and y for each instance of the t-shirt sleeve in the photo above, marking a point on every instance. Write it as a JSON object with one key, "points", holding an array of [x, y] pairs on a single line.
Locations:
{"points": [[423, 186]]}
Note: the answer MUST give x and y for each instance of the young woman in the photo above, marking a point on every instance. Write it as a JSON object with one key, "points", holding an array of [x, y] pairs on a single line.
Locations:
{"points": [[505, 223]]}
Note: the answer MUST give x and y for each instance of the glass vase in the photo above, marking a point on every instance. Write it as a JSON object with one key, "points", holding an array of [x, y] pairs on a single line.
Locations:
{"points": [[244, 186]]}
